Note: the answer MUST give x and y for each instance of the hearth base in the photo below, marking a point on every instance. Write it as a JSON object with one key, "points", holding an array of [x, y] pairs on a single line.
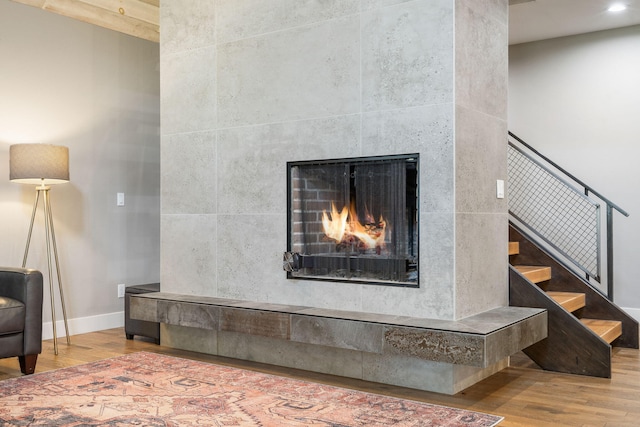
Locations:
{"points": [[426, 354]]}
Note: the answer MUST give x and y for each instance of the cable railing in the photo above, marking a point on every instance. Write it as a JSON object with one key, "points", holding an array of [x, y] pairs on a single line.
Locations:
{"points": [[563, 212]]}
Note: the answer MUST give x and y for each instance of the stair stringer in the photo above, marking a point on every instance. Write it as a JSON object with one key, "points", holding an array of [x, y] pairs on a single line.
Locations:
{"points": [[563, 280], [570, 346]]}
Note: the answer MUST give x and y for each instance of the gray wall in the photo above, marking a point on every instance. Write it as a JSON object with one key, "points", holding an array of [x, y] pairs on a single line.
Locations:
{"points": [[576, 100], [96, 91], [248, 85]]}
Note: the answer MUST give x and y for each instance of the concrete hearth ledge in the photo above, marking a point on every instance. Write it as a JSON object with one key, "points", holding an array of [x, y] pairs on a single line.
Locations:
{"points": [[479, 341]]}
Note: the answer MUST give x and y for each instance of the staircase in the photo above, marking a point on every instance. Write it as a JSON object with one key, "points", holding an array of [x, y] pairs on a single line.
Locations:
{"points": [[583, 325]]}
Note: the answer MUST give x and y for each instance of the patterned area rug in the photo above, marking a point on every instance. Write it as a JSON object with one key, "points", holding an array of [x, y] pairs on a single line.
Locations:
{"points": [[146, 389]]}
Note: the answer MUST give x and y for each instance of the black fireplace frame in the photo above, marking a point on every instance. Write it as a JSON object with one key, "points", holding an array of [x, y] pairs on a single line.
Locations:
{"points": [[293, 261]]}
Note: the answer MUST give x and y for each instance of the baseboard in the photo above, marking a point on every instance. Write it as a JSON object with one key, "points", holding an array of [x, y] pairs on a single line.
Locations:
{"points": [[633, 312], [83, 325]]}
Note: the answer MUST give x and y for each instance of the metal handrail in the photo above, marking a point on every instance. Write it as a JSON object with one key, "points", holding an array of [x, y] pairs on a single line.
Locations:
{"points": [[587, 192], [586, 187]]}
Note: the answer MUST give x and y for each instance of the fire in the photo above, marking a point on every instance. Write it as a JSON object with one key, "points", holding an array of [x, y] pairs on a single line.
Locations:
{"points": [[344, 227], [335, 224]]}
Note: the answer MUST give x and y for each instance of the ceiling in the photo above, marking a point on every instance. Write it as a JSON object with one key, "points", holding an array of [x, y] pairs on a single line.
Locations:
{"points": [[544, 19], [138, 18], [529, 20]]}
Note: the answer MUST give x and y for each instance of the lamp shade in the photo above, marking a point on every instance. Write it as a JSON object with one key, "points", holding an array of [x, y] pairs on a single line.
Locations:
{"points": [[38, 164]]}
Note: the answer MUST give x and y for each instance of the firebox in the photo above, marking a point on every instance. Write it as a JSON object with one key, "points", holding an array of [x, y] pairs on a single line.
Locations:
{"points": [[354, 220]]}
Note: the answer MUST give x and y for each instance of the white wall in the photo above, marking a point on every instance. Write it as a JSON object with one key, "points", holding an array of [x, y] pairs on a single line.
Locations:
{"points": [[576, 99], [96, 91]]}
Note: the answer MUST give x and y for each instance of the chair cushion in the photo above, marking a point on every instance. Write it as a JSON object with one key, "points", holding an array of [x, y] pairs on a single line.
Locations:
{"points": [[12, 313]]}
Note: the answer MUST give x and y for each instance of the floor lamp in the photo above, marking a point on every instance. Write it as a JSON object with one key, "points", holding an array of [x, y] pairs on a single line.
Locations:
{"points": [[43, 165]]}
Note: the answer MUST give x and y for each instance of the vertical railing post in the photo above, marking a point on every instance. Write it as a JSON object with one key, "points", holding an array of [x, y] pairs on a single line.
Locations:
{"points": [[586, 275], [609, 253]]}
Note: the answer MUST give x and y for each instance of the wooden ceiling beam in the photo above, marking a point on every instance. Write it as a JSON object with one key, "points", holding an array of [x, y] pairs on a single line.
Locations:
{"points": [[138, 18]]}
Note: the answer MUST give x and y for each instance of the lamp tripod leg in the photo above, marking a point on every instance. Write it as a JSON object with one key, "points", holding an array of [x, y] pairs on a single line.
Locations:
{"points": [[53, 306], [55, 253], [33, 216]]}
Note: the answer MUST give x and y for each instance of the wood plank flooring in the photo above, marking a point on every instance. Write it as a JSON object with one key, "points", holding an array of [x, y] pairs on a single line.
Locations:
{"points": [[522, 393]]}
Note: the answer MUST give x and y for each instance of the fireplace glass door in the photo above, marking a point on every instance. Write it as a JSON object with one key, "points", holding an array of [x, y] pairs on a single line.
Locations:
{"points": [[354, 220]]}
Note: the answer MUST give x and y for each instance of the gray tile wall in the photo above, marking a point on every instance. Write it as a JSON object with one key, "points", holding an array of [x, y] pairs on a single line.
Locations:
{"points": [[248, 85]]}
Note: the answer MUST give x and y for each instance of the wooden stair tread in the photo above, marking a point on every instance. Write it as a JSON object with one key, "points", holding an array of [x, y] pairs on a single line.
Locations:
{"points": [[608, 330], [536, 274], [514, 248], [571, 301]]}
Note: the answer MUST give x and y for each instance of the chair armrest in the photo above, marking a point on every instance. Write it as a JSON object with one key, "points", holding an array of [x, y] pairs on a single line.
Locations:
{"points": [[25, 285], [21, 284]]}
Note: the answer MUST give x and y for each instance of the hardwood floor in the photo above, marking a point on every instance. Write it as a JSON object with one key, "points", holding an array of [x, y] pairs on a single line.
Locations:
{"points": [[523, 394]]}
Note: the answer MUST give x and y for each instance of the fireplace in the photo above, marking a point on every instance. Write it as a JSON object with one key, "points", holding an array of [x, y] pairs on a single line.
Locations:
{"points": [[354, 220]]}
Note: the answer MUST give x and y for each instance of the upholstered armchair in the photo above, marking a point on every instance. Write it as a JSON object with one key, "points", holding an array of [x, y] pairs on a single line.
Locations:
{"points": [[21, 316]]}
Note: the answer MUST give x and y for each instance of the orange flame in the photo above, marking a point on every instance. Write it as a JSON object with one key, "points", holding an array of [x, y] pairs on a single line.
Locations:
{"points": [[345, 227]]}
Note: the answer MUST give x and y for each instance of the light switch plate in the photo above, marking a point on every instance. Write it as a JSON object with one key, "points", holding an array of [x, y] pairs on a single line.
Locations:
{"points": [[120, 199], [500, 189]]}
